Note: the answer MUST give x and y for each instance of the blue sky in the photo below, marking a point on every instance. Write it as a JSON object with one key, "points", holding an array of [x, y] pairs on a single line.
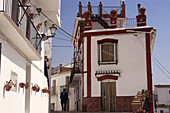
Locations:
{"points": [[157, 12]]}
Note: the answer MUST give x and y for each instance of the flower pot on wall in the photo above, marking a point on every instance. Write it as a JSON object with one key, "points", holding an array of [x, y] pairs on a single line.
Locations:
{"points": [[37, 89], [31, 15], [34, 88], [24, 2], [8, 87], [27, 85], [22, 85]]}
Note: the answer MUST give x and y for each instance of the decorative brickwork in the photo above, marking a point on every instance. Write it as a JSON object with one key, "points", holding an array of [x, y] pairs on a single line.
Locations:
{"points": [[91, 104], [123, 103]]}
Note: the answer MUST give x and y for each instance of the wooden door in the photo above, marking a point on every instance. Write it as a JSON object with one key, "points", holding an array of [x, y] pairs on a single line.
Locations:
{"points": [[108, 96]]}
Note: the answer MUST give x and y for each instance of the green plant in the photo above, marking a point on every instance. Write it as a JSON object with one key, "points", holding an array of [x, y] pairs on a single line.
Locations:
{"points": [[142, 8], [113, 11], [87, 12], [40, 23]]}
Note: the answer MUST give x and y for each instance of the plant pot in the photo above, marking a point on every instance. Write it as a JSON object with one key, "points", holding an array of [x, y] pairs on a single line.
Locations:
{"points": [[26, 86], [37, 90], [24, 2], [38, 27], [113, 14], [142, 11], [34, 88], [44, 90], [31, 15], [22, 85], [48, 91], [87, 16], [8, 87]]}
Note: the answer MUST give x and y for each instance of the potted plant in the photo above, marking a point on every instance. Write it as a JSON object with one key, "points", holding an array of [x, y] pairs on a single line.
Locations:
{"points": [[34, 87], [113, 13], [22, 85], [37, 89], [38, 25], [45, 90], [142, 11], [26, 85], [87, 15], [31, 15], [24, 2], [9, 85]]}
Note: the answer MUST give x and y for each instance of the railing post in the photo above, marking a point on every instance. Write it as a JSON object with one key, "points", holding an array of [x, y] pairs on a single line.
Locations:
{"points": [[123, 10], [80, 9], [100, 9], [89, 6]]}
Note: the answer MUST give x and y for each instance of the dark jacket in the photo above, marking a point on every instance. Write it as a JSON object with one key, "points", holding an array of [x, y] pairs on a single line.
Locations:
{"points": [[63, 97]]}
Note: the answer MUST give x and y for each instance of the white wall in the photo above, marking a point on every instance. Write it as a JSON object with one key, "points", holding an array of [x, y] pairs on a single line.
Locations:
{"points": [[166, 110], [11, 60], [60, 81], [131, 63], [39, 100], [163, 96]]}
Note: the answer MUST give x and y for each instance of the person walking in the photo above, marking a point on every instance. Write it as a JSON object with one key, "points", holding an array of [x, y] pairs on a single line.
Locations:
{"points": [[64, 98]]}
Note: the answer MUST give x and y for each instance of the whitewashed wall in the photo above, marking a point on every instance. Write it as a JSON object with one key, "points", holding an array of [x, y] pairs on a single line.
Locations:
{"points": [[11, 60], [165, 110], [131, 63], [60, 81], [163, 96], [39, 100]]}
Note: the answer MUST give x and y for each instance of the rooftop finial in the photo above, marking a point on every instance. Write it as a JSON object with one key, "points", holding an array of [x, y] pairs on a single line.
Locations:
{"points": [[89, 2], [79, 3], [100, 3]]}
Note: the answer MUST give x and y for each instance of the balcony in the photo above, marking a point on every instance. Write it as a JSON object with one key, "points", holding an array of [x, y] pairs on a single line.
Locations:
{"points": [[19, 29]]}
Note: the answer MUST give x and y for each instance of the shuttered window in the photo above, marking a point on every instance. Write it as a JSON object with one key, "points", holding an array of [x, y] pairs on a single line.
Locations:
{"points": [[107, 52]]}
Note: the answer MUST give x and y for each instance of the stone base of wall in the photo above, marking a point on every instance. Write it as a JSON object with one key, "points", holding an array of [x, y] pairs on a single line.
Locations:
{"points": [[91, 104], [123, 103]]}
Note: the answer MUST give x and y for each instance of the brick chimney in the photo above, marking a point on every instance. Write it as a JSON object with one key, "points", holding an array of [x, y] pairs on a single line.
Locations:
{"points": [[60, 67], [141, 18]]}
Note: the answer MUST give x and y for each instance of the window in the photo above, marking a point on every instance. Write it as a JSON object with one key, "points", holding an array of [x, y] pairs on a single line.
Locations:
{"points": [[14, 78], [107, 51]]}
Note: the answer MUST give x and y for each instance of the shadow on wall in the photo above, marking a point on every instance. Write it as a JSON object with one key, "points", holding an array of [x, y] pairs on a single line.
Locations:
{"points": [[11, 54]]}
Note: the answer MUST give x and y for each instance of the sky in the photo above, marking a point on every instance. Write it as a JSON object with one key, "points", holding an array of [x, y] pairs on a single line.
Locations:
{"points": [[158, 14]]}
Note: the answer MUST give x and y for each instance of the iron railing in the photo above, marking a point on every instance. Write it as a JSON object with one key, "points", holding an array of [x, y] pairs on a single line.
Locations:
{"points": [[107, 9], [131, 22], [24, 22]]}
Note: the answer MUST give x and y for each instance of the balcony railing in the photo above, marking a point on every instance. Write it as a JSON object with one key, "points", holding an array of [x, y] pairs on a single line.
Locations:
{"points": [[18, 13], [105, 9]]}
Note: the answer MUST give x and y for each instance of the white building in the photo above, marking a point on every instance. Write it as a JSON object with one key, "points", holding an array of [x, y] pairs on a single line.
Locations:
{"points": [[112, 58], [59, 81], [162, 93], [22, 53]]}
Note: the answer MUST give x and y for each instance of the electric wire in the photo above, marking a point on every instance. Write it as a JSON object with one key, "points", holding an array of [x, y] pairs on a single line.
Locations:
{"points": [[154, 59], [62, 39], [61, 46]]}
